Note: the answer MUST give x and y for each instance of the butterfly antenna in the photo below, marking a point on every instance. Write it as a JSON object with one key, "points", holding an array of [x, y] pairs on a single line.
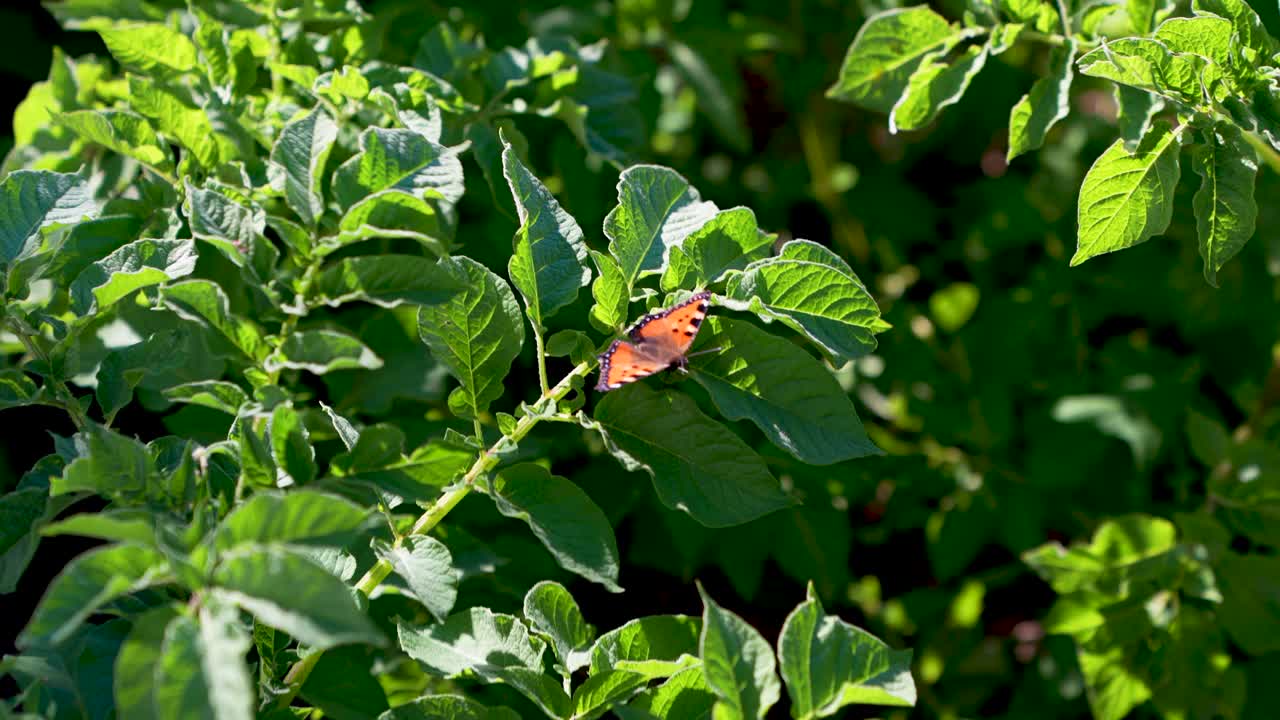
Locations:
{"points": [[704, 352]]}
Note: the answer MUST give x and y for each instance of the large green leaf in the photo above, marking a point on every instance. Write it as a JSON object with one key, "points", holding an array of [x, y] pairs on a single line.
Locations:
{"points": [[657, 209], [135, 667], [564, 518], [738, 663], [141, 263], [387, 280], [1048, 102], [934, 85], [289, 592], [828, 663], [887, 50], [201, 671], [150, 46], [726, 242], [552, 611], [402, 160], [1226, 212], [228, 224], [206, 303], [476, 334], [106, 463], [297, 162], [683, 696], [34, 199], [477, 640], [1251, 31], [549, 263], [291, 444], [610, 292], [176, 119], [603, 691], [697, 465], [1149, 65], [323, 351], [789, 395], [1127, 196], [390, 213], [86, 584], [427, 569], [657, 646], [810, 289], [122, 132], [301, 517]]}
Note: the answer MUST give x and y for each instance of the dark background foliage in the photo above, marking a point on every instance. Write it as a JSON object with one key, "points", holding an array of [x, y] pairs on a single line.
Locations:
{"points": [[1018, 400]]}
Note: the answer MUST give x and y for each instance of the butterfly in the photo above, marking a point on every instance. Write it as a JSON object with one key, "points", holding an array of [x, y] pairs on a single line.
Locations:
{"points": [[658, 342]]}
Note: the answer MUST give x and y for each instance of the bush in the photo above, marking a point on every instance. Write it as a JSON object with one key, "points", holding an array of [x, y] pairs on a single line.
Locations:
{"points": [[313, 314]]}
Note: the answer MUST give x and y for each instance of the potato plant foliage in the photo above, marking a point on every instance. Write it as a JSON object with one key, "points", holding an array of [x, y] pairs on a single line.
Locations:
{"points": [[302, 302]]}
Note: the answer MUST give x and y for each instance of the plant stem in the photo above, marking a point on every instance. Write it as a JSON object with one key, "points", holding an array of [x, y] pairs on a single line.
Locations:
{"points": [[485, 462], [542, 360], [66, 399]]}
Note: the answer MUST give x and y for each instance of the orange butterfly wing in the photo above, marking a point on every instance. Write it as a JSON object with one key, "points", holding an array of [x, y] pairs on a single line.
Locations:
{"points": [[661, 340], [622, 363]]}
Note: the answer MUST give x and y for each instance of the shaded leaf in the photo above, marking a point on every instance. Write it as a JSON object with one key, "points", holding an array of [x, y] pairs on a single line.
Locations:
{"points": [[297, 162], [1048, 102], [934, 85], [402, 160], [31, 200], [1225, 209], [322, 351], [427, 568], [388, 281], [657, 209], [552, 611], [726, 242], [738, 664], [201, 670], [141, 263]]}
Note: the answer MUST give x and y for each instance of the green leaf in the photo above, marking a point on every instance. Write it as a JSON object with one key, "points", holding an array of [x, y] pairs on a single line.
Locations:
{"points": [[134, 678], [345, 684], [1252, 32], [934, 85], [206, 303], [653, 645], [1048, 102], [21, 511], [402, 160], [297, 162], [257, 467], [1113, 688], [1124, 552], [714, 78], [657, 209], [188, 125], [141, 263], [603, 691], [788, 394], [1207, 36], [121, 132], [1147, 65], [1225, 209], [886, 51], [301, 517], [1135, 111], [31, 200], [697, 465], [122, 370], [564, 518], [124, 525], [16, 389], [739, 664], [828, 664], [811, 290], [1250, 610], [388, 281], [226, 223], [477, 640], [610, 292], [215, 394], [726, 242], [86, 584], [107, 463], [476, 334], [549, 262], [289, 592], [427, 568], [447, 707], [1127, 197], [393, 214], [322, 351], [150, 47], [291, 445], [1142, 15], [552, 611], [684, 695], [201, 672]]}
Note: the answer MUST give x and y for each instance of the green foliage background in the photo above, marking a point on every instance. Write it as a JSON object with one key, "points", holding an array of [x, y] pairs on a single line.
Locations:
{"points": [[1019, 401]]}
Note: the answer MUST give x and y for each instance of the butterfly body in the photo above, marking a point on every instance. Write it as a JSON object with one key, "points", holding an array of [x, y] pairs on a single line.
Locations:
{"points": [[658, 342]]}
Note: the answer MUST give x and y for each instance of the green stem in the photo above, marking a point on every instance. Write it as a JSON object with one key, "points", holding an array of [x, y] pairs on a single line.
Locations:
{"points": [[66, 399], [484, 463], [542, 360], [291, 319]]}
